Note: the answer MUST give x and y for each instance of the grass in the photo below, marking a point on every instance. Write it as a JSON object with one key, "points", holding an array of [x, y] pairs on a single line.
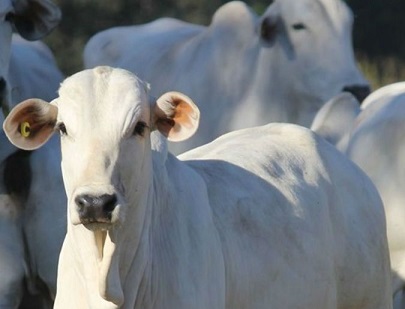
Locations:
{"points": [[381, 71]]}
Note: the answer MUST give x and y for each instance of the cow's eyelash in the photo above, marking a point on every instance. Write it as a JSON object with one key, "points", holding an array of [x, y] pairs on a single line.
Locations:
{"points": [[61, 128]]}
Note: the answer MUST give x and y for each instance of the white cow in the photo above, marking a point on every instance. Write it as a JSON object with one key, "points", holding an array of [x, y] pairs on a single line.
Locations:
{"points": [[242, 70], [373, 137], [19, 71], [268, 217], [32, 225], [31, 202]]}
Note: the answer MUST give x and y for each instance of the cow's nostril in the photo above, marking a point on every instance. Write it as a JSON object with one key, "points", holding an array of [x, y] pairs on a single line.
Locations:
{"points": [[109, 202], [83, 201], [359, 91]]}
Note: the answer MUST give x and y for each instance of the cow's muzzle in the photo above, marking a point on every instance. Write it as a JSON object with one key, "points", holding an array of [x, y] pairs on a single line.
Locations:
{"points": [[360, 92], [95, 209]]}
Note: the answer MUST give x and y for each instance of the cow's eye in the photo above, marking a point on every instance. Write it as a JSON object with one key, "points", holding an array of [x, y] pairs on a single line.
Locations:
{"points": [[61, 128], [299, 26], [140, 128]]}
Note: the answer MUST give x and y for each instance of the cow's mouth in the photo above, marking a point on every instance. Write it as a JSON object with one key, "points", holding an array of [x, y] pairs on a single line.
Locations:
{"points": [[97, 225], [360, 92]]}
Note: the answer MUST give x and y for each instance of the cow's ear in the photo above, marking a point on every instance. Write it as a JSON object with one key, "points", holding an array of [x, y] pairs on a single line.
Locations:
{"points": [[268, 29], [176, 116], [336, 118], [33, 19], [268, 25], [30, 124]]}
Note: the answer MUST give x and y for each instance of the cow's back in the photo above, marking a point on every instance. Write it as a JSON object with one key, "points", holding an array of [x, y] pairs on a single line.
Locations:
{"points": [[318, 220], [118, 46]]}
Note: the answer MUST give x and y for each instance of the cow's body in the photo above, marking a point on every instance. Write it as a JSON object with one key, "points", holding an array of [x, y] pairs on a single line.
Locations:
{"points": [[33, 219], [373, 137], [33, 71], [32, 19], [12, 263], [28, 256], [268, 217], [242, 70]]}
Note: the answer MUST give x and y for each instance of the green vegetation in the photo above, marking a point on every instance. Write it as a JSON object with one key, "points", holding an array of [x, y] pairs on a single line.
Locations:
{"points": [[379, 29]]}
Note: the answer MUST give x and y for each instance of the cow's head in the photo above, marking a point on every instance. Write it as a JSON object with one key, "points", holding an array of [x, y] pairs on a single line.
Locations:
{"points": [[311, 43], [104, 117], [32, 19]]}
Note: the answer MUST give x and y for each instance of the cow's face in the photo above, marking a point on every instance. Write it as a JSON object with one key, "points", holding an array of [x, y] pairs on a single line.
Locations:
{"points": [[311, 40], [104, 117], [32, 19]]}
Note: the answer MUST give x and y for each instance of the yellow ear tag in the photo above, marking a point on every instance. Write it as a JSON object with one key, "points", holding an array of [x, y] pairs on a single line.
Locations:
{"points": [[25, 129]]}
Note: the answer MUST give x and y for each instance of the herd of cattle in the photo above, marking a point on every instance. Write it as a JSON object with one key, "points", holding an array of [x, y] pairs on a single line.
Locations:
{"points": [[109, 199]]}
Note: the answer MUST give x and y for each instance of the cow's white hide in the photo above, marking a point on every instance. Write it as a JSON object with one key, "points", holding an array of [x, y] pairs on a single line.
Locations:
{"points": [[373, 137]]}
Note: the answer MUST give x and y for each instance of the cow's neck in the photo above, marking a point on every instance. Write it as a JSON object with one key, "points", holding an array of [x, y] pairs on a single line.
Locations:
{"points": [[270, 95]]}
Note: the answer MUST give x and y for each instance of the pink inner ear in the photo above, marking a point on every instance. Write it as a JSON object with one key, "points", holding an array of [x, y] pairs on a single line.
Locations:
{"points": [[184, 113], [178, 116]]}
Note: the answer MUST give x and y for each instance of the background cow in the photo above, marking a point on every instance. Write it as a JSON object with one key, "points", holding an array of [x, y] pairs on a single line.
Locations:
{"points": [[32, 19], [23, 65], [33, 182], [271, 216], [242, 70], [373, 137], [33, 71]]}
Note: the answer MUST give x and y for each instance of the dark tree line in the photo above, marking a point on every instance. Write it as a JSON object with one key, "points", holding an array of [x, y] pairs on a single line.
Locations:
{"points": [[379, 27]]}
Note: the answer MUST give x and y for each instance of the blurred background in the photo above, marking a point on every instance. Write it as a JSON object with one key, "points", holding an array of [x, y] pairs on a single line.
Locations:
{"points": [[378, 36]]}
